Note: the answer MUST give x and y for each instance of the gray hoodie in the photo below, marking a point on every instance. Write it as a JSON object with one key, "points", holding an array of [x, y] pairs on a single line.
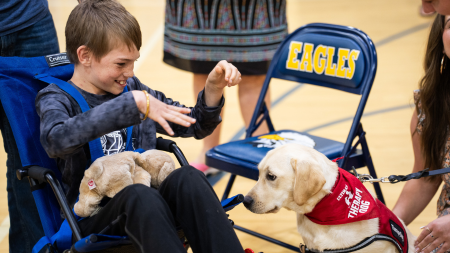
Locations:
{"points": [[66, 131]]}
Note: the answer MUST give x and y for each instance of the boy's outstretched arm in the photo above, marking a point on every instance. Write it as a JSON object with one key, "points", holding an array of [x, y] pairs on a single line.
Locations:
{"points": [[162, 112], [224, 74]]}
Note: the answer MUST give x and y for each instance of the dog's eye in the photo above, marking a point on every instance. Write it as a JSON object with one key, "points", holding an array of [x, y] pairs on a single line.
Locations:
{"points": [[271, 177]]}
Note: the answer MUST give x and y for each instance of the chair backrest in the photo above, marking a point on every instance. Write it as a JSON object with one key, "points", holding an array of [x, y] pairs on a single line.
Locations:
{"points": [[18, 90], [338, 57]]}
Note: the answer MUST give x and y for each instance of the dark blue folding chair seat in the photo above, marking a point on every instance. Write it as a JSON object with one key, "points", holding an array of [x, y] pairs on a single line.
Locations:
{"points": [[246, 155]]}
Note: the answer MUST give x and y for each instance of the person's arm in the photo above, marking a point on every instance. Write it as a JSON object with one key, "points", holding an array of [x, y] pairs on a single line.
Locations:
{"points": [[417, 193], [62, 134], [206, 118], [168, 115], [200, 120], [224, 74]]}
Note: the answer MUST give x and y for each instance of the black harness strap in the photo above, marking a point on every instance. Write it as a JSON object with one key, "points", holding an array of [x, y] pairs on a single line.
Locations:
{"points": [[364, 243]]}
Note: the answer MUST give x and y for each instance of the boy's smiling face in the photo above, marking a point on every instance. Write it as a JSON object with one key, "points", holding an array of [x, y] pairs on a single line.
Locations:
{"points": [[108, 74]]}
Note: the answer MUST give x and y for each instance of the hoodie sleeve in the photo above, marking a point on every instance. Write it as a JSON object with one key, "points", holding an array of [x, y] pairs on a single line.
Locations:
{"points": [[207, 118], [62, 133]]}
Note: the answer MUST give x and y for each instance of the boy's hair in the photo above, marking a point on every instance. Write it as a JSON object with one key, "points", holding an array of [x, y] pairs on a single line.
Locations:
{"points": [[100, 25]]}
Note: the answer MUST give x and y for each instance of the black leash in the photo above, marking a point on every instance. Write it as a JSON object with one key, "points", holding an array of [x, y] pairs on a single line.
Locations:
{"points": [[424, 173], [364, 243], [393, 179]]}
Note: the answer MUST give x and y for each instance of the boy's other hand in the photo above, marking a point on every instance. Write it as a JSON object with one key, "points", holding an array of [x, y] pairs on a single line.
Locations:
{"points": [[224, 74], [161, 112]]}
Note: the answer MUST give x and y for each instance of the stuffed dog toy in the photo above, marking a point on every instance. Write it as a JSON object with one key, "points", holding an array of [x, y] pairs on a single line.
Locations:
{"points": [[110, 174], [334, 209]]}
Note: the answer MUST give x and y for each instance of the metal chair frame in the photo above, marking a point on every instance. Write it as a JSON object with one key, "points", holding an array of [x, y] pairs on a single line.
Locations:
{"points": [[39, 176]]}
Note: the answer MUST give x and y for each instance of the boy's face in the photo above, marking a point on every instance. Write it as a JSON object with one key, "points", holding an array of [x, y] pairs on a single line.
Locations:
{"points": [[110, 73]]}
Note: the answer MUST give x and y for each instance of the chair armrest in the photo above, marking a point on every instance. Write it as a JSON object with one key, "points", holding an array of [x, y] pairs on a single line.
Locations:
{"points": [[47, 175], [39, 173], [164, 144], [230, 203], [171, 146]]}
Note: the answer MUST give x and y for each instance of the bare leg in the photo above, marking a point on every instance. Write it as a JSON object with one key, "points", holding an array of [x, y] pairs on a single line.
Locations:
{"points": [[213, 139], [249, 90]]}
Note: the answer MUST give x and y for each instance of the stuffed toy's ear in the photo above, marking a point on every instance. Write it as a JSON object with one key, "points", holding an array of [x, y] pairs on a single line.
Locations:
{"points": [[90, 195], [309, 180]]}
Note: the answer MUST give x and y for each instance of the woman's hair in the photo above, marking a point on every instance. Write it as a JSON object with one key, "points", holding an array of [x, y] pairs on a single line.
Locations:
{"points": [[435, 98], [100, 25]]}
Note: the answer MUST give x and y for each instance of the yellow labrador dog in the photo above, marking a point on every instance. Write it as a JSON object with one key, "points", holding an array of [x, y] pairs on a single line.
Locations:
{"points": [[298, 178]]}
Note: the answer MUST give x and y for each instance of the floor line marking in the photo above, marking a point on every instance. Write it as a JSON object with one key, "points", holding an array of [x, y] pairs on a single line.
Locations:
{"points": [[241, 131], [4, 228], [149, 46], [390, 109], [402, 34]]}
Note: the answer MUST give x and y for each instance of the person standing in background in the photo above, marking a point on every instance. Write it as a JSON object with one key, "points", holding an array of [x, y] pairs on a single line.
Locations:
{"points": [[198, 33], [440, 6], [26, 30]]}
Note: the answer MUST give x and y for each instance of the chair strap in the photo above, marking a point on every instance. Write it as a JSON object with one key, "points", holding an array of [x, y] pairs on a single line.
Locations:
{"points": [[63, 238], [95, 146], [64, 235]]}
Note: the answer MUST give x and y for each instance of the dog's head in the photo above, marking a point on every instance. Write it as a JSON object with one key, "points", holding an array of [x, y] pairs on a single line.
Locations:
{"points": [[291, 176]]}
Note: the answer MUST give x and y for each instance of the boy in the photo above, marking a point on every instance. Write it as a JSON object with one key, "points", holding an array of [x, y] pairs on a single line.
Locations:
{"points": [[103, 41]]}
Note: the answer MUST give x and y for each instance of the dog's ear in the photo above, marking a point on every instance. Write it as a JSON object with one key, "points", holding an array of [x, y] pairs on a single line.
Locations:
{"points": [[308, 181]]}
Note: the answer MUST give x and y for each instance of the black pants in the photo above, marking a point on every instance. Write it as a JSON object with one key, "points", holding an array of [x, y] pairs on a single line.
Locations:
{"points": [[149, 216]]}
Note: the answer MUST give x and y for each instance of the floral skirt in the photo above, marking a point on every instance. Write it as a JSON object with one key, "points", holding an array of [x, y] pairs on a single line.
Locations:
{"points": [[199, 33]]}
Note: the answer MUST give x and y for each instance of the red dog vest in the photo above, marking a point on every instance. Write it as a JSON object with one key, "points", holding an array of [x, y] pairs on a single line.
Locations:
{"points": [[349, 201]]}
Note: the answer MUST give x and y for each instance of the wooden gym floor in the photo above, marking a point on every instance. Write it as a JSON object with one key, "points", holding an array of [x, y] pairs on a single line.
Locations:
{"points": [[399, 34]]}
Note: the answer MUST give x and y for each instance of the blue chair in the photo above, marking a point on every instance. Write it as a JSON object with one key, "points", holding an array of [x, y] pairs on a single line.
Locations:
{"points": [[338, 57], [18, 88]]}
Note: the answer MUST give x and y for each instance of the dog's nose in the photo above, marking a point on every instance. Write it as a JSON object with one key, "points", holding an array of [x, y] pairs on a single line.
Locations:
{"points": [[248, 201]]}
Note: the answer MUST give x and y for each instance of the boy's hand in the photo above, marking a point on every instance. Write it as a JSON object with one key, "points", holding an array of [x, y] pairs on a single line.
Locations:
{"points": [[161, 112], [224, 74]]}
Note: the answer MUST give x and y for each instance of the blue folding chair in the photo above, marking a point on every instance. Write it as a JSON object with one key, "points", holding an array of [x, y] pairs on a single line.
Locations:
{"points": [[18, 88], [338, 57]]}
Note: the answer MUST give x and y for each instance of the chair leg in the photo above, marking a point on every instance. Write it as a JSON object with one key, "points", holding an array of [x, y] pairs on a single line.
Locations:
{"points": [[269, 239], [229, 186], [371, 167]]}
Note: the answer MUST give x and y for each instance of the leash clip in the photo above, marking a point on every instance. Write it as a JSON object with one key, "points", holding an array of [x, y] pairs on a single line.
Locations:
{"points": [[368, 178]]}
